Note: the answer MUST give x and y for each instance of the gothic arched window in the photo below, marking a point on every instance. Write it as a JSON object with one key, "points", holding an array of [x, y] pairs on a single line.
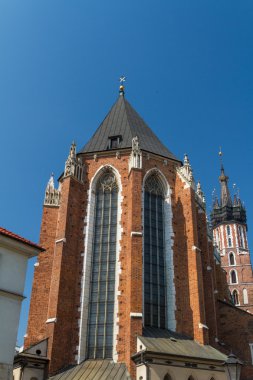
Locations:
{"points": [[167, 377], [235, 297], [231, 258], [102, 291], [233, 277], [154, 260], [228, 230]]}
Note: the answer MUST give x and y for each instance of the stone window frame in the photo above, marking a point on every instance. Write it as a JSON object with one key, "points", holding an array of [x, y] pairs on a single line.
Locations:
{"points": [[88, 233], [236, 276], [103, 269], [229, 260], [169, 236], [237, 297], [154, 232]]}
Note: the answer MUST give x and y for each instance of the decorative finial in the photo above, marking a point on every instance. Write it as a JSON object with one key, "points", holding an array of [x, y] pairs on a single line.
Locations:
{"points": [[122, 79], [220, 155]]}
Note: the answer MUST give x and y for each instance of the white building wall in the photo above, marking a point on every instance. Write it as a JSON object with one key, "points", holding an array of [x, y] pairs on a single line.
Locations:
{"points": [[13, 264], [9, 319], [12, 270]]}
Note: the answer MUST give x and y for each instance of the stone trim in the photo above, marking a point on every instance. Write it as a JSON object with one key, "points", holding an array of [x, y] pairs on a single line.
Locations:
{"points": [[203, 326], [135, 315], [134, 233], [51, 320], [62, 240], [85, 292]]}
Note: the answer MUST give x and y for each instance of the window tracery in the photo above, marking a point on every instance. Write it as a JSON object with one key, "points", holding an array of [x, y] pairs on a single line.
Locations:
{"points": [[154, 253], [102, 292]]}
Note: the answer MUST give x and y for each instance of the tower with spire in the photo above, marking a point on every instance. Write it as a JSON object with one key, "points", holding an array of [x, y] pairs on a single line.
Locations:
{"points": [[229, 224]]}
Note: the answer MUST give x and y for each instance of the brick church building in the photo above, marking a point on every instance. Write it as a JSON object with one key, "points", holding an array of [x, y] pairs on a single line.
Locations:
{"points": [[131, 284]]}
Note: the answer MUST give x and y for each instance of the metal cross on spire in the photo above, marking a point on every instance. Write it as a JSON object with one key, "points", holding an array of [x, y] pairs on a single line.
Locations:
{"points": [[122, 79]]}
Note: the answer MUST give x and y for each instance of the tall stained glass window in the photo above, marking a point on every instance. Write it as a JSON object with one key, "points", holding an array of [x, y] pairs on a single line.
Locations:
{"points": [[154, 258], [102, 293]]}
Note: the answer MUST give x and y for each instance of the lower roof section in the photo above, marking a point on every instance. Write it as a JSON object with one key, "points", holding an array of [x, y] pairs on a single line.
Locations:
{"points": [[166, 342], [95, 370]]}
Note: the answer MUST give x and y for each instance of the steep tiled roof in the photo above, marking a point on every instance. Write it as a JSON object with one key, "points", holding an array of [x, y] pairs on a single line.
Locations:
{"points": [[124, 121], [11, 235]]}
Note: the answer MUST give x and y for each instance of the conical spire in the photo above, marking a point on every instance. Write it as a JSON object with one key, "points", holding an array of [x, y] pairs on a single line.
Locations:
{"points": [[225, 193], [118, 129]]}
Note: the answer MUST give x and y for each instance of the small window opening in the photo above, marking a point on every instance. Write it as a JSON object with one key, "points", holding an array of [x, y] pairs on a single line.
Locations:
{"points": [[235, 297], [233, 277], [231, 259], [114, 142]]}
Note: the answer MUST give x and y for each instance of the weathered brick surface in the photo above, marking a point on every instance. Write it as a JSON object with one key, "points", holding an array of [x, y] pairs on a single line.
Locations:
{"points": [[36, 330], [208, 277], [236, 332]]}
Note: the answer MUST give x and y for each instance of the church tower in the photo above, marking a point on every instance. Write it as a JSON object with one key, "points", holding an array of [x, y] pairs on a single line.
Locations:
{"points": [[129, 277], [230, 235]]}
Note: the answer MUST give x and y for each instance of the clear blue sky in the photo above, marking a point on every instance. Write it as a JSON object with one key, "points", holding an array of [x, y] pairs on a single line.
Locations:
{"points": [[189, 70]]}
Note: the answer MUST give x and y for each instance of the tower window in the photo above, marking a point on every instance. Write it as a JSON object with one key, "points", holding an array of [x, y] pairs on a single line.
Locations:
{"points": [[241, 237], [228, 231], [231, 258], [229, 242], [102, 294], [114, 142], [233, 277], [154, 257], [235, 297]]}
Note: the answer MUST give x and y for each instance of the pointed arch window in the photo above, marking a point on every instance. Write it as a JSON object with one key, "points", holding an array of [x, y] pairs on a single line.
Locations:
{"points": [[235, 297], [228, 231], [102, 292], [233, 277], [167, 377], [241, 237], [154, 256], [231, 258]]}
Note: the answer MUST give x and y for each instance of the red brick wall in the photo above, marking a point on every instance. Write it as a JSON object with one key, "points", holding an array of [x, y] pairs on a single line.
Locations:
{"points": [[208, 275], [236, 332], [36, 330], [188, 265]]}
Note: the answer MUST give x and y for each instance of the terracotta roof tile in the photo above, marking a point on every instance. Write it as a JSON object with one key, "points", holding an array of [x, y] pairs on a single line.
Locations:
{"points": [[10, 234]]}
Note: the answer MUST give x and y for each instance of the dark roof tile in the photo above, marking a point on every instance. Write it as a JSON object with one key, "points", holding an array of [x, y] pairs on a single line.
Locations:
{"points": [[124, 121]]}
